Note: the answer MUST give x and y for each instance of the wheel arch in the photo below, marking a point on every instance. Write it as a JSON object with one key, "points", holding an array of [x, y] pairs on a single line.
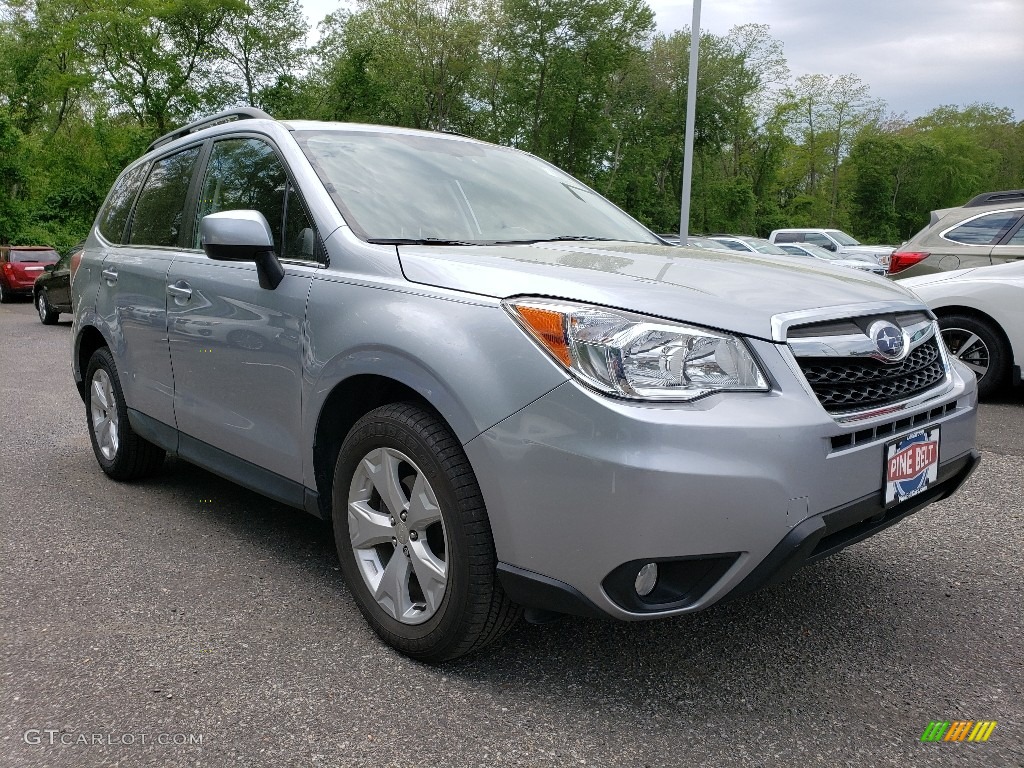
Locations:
{"points": [[347, 402], [973, 312], [1015, 354], [88, 340]]}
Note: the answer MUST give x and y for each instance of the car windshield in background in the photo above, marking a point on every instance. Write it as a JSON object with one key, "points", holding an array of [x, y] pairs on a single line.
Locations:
{"points": [[41, 256], [763, 246], [821, 253], [420, 188], [842, 238]]}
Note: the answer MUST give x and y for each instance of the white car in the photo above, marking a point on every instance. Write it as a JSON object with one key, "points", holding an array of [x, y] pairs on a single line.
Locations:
{"points": [[834, 240], [981, 313], [806, 250]]}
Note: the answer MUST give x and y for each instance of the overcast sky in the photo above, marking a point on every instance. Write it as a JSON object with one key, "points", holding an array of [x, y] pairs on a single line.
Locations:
{"points": [[915, 54]]}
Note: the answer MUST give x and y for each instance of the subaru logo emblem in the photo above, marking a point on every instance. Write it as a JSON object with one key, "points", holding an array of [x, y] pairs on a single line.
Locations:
{"points": [[888, 339]]}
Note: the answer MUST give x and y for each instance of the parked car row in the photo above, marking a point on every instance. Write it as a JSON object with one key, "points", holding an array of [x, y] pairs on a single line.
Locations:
{"points": [[20, 265], [835, 241]]}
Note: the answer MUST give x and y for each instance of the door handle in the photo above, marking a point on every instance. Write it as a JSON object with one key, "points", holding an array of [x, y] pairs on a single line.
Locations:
{"points": [[110, 275], [180, 291]]}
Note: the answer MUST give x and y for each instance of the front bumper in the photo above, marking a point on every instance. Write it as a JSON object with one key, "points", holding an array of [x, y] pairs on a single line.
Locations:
{"points": [[731, 491]]}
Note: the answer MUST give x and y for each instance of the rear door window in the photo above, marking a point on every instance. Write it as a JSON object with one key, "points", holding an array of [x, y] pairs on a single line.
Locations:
{"points": [[788, 237], [983, 230], [160, 212]]}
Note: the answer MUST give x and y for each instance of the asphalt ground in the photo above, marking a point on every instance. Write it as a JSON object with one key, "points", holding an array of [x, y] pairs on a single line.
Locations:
{"points": [[185, 621]]}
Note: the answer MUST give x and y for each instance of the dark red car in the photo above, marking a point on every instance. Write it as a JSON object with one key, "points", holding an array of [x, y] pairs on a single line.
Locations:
{"points": [[20, 265]]}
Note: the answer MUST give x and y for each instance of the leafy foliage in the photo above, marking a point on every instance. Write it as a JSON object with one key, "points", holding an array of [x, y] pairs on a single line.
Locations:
{"points": [[587, 84]]}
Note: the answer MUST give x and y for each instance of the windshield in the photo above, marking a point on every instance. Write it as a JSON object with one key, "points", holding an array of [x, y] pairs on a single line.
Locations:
{"points": [[821, 253], [763, 246], [419, 187], [842, 238]]}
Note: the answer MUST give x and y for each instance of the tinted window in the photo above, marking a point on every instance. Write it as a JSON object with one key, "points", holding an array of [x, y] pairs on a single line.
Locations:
{"points": [[983, 230], [788, 237], [244, 174], [160, 212], [824, 242], [115, 213], [39, 257]]}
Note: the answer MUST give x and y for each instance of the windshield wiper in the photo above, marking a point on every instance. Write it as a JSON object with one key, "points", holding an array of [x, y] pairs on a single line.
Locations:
{"points": [[423, 241]]}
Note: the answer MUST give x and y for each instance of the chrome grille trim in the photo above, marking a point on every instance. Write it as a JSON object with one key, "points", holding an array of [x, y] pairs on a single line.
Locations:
{"points": [[852, 381]]}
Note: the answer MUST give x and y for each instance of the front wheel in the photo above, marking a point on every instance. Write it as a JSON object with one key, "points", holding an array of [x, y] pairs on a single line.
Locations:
{"points": [[413, 536], [121, 453], [979, 346], [47, 314]]}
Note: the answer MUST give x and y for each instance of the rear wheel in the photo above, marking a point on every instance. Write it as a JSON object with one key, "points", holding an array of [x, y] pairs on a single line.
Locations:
{"points": [[5, 295], [413, 536], [121, 453], [979, 346], [47, 314]]}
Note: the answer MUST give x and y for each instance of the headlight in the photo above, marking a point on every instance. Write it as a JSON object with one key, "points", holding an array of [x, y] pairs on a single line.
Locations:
{"points": [[637, 357]]}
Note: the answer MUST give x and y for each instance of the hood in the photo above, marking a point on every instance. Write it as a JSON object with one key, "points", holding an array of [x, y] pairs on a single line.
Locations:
{"points": [[935, 277], [731, 291]]}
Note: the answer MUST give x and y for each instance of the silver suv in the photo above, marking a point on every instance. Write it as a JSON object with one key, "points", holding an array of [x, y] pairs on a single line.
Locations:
{"points": [[987, 229], [498, 388]]}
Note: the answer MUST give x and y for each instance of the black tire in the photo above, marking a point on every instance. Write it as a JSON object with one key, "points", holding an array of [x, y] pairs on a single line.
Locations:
{"points": [[47, 314], [133, 457], [5, 295], [956, 330], [474, 610]]}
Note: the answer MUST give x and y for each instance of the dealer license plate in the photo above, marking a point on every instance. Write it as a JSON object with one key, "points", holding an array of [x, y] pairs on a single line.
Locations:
{"points": [[911, 464]]}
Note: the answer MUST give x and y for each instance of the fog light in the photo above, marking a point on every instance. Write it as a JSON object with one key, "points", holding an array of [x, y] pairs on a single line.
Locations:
{"points": [[646, 579]]}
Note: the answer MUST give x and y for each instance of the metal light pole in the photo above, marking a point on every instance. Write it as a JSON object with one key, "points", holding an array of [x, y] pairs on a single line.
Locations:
{"points": [[691, 108]]}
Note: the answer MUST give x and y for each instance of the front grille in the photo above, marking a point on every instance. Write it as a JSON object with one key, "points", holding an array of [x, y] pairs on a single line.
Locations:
{"points": [[853, 384]]}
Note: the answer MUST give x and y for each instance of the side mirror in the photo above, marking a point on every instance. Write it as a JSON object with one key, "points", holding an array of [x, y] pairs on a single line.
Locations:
{"points": [[242, 236], [832, 247]]}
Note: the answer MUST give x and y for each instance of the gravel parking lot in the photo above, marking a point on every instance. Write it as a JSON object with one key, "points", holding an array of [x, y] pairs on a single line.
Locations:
{"points": [[186, 621]]}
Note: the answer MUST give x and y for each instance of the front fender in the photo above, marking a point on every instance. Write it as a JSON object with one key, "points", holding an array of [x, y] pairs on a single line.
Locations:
{"points": [[467, 358]]}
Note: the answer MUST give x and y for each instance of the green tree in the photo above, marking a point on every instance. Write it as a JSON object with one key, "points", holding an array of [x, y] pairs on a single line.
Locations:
{"points": [[264, 44]]}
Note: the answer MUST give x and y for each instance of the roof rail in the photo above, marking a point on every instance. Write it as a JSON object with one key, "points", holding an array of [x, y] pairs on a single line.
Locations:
{"points": [[239, 113], [994, 198]]}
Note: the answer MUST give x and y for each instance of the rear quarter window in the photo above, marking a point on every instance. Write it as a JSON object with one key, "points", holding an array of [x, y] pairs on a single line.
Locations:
{"points": [[788, 237], [983, 230], [114, 215]]}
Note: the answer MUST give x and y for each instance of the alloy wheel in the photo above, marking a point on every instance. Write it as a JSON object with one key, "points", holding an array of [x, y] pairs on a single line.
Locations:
{"points": [[969, 348], [103, 414], [398, 536]]}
